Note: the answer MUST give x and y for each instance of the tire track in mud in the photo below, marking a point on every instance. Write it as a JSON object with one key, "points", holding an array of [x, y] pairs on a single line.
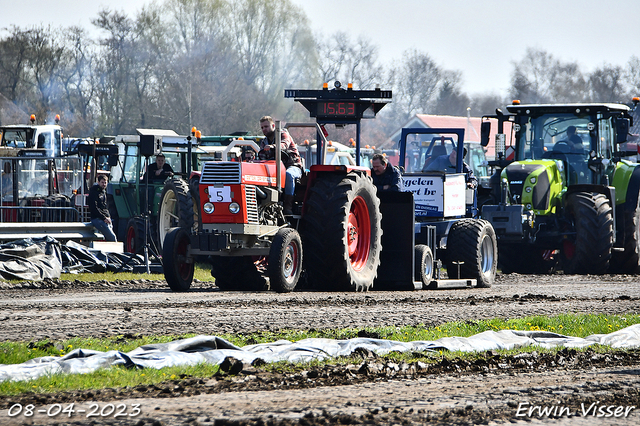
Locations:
{"points": [[62, 309], [74, 309]]}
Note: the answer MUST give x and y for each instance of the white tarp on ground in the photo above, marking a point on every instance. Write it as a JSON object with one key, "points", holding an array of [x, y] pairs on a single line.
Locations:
{"points": [[214, 350]]}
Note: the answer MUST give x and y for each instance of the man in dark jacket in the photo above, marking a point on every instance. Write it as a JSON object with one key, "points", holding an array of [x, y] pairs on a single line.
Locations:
{"points": [[385, 176], [159, 171], [99, 209], [291, 159]]}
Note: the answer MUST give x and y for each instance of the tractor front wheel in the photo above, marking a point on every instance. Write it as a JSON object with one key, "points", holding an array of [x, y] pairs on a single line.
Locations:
{"points": [[589, 252], [178, 265], [285, 260]]}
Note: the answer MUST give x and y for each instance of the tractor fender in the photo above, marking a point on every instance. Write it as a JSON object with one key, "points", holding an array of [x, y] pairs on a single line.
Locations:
{"points": [[608, 191]]}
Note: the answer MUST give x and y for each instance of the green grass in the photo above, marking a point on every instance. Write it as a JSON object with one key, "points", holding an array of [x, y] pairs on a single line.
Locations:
{"points": [[106, 378], [579, 325]]}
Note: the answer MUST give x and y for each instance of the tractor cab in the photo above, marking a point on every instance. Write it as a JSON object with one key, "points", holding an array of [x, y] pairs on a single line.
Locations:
{"points": [[433, 165], [17, 137]]}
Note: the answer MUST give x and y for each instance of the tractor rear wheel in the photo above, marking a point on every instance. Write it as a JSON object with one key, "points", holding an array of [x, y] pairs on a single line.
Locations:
{"points": [[590, 251], [176, 208], [473, 251], [236, 273], [134, 235], [628, 261], [285, 260], [341, 231], [423, 265], [178, 265]]}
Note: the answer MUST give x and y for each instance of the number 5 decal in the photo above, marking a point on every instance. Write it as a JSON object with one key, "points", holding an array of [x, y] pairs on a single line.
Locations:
{"points": [[220, 195]]}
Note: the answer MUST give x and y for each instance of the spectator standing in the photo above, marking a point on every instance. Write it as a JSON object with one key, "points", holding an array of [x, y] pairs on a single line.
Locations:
{"points": [[99, 208]]}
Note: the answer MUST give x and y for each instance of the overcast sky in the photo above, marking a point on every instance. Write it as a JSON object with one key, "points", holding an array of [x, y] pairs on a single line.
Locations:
{"points": [[481, 38]]}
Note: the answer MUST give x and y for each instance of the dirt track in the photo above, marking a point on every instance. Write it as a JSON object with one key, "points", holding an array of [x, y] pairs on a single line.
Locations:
{"points": [[392, 395]]}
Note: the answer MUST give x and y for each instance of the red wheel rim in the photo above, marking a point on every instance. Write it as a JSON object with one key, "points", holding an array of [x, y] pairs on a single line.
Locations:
{"points": [[130, 240], [182, 249], [569, 249], [358, 233]]}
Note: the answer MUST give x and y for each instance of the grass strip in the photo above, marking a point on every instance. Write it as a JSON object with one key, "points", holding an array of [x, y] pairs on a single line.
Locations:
{"points": [[578, 325]]}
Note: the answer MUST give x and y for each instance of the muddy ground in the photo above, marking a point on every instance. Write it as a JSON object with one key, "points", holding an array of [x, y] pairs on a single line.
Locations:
{"points": [[369, 389]]}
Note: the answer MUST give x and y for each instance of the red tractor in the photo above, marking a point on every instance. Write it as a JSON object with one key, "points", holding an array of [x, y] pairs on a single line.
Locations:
{"points": [[245, 235], [244, 232]]}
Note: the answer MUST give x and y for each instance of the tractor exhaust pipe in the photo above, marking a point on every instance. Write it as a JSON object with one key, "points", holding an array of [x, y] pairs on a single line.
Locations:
{"points": [[278, 154]]}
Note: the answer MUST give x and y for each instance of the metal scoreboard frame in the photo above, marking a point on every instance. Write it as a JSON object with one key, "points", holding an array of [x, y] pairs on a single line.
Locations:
{"points": [[341, 106]]}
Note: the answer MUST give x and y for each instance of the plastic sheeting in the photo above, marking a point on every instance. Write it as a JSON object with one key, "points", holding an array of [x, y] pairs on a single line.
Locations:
{"points": [[213, 350], [78, 258], [35, 259], [31, 259]]}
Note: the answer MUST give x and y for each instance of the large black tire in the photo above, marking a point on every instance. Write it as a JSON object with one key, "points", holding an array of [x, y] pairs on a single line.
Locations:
{"points": [[236, 273], [341, 233], [628, 261], [423, 265], [285, 260], [134, 235], [178, 265], [176, 208], [590, 251], [472, 249]]}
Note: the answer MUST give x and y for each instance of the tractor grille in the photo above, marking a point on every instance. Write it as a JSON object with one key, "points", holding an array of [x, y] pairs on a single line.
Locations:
{"points": [[252, 205], [517, 175], [220, 172]]}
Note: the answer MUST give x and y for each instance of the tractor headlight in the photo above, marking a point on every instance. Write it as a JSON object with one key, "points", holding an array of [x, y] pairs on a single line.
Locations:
{"points": [[234, 207], [532, 180], [528, 206], [527, 189], [208, 208]]}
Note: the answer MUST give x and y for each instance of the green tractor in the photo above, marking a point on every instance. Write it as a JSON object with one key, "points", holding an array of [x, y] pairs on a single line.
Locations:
{"points": [[170, 203], [563, 195]]}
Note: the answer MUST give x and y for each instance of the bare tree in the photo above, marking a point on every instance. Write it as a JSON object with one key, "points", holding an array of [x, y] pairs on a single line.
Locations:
{"points": [[486, 104], [45, 61], [76, 79], [417, 84], [632, 76], [451, 100], [14, 51], [540, 78], [273, 44], [606, 84], [348, 62], [114, 69]]}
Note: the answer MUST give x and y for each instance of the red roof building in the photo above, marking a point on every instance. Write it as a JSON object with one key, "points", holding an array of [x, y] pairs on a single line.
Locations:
{"points": [[471, 126]]}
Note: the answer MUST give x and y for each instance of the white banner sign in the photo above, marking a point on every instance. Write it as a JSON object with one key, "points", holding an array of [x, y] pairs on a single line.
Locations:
{"points": [[437, 195]]}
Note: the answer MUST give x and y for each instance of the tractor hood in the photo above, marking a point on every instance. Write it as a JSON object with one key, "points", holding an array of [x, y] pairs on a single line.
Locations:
{"points": [[535, 184]]}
